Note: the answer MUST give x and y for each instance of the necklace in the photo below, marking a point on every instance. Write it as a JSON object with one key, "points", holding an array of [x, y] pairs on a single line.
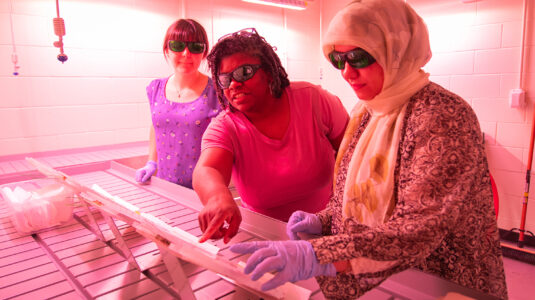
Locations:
{"points": [[179, 94], [184, 93]]}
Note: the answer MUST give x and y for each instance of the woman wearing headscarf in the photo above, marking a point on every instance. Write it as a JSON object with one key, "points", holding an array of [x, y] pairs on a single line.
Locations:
{"points": [[411, 183]]}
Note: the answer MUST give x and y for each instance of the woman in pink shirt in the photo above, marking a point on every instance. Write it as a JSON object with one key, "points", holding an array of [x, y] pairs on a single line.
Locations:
{"points": [[277, 139]]}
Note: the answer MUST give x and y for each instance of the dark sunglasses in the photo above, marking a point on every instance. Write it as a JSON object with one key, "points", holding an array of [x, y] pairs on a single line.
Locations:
{"points": [[247, 32], [357, 58], [240, 74], [193, 47]]}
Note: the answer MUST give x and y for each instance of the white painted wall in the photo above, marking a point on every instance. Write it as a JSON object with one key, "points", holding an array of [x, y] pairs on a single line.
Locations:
{"points": [[98, 96]]}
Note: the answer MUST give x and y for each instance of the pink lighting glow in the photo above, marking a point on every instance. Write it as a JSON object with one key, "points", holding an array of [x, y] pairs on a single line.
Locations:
{"points": [[98, 97]]}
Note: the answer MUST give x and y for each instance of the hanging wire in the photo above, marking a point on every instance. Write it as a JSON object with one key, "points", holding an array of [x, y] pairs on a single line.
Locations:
{"points": [[14, 56], [59, 30]]}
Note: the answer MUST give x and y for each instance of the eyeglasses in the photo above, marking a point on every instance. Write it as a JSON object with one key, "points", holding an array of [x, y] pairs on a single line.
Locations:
{"points": [[357, 58], [193, 47], [240, 74], [247, 32]]}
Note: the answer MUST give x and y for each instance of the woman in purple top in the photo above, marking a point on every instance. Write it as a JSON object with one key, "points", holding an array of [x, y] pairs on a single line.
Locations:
{"points": [[181, 105]]}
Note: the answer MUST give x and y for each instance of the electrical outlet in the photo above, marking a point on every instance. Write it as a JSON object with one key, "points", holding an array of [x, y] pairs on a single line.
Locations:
{"points": [[516, 98]]}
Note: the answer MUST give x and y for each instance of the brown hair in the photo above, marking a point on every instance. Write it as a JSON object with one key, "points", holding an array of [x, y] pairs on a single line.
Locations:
{"points": [[186, 30]]}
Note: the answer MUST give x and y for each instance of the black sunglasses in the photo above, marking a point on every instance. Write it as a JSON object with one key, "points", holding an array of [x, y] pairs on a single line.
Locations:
{"points": [[357, 58], [247, 32], [240, 74], [193, 47]]}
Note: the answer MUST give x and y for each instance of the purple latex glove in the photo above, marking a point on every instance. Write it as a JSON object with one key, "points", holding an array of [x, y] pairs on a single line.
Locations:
{"points": [[145, 173], [293, 260], [301, 221]]}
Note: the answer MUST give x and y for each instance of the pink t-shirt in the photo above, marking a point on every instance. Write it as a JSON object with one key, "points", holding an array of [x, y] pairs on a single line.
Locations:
{"points": [[278, 177]]}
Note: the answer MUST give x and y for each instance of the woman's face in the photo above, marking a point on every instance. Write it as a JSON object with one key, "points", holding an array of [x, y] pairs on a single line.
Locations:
{"points": [[248, 96], [185, 61], [367, 82]]}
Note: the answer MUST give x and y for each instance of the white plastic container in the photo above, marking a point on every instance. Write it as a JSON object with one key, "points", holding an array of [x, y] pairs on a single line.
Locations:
{"points": [[46, 207]]}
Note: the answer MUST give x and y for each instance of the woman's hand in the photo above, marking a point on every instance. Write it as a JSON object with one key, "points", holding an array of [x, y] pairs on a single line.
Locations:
{"points": [[301, 221], [292, 260], [211, 178], [220, 218], [145, 173]]}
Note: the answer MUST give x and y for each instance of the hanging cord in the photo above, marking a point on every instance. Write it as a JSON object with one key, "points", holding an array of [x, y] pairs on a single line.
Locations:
{"points": [[14, 57], [59, 30]]}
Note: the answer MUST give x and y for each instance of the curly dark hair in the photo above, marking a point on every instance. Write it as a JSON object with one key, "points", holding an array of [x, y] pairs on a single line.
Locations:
{"points": [[250, 42]]}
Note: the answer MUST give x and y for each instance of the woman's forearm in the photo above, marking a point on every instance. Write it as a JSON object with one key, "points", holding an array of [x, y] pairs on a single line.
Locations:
{"points": [[153, 155], [210, 184]]}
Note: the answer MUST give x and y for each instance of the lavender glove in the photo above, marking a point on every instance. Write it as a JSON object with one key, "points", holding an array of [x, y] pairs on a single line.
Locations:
{"points": [[293, 260], [301, 221], [145, 173]]}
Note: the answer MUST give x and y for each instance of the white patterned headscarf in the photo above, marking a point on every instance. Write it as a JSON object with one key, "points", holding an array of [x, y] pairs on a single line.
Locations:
{"points": [[391, 32]]}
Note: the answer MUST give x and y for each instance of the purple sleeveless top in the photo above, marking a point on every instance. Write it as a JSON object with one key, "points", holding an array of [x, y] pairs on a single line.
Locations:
{"points": [[178, 129]]}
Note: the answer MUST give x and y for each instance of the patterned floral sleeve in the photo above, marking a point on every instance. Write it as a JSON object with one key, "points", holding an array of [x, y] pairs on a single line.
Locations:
{"points": [[326, 217], [442, 187]]}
